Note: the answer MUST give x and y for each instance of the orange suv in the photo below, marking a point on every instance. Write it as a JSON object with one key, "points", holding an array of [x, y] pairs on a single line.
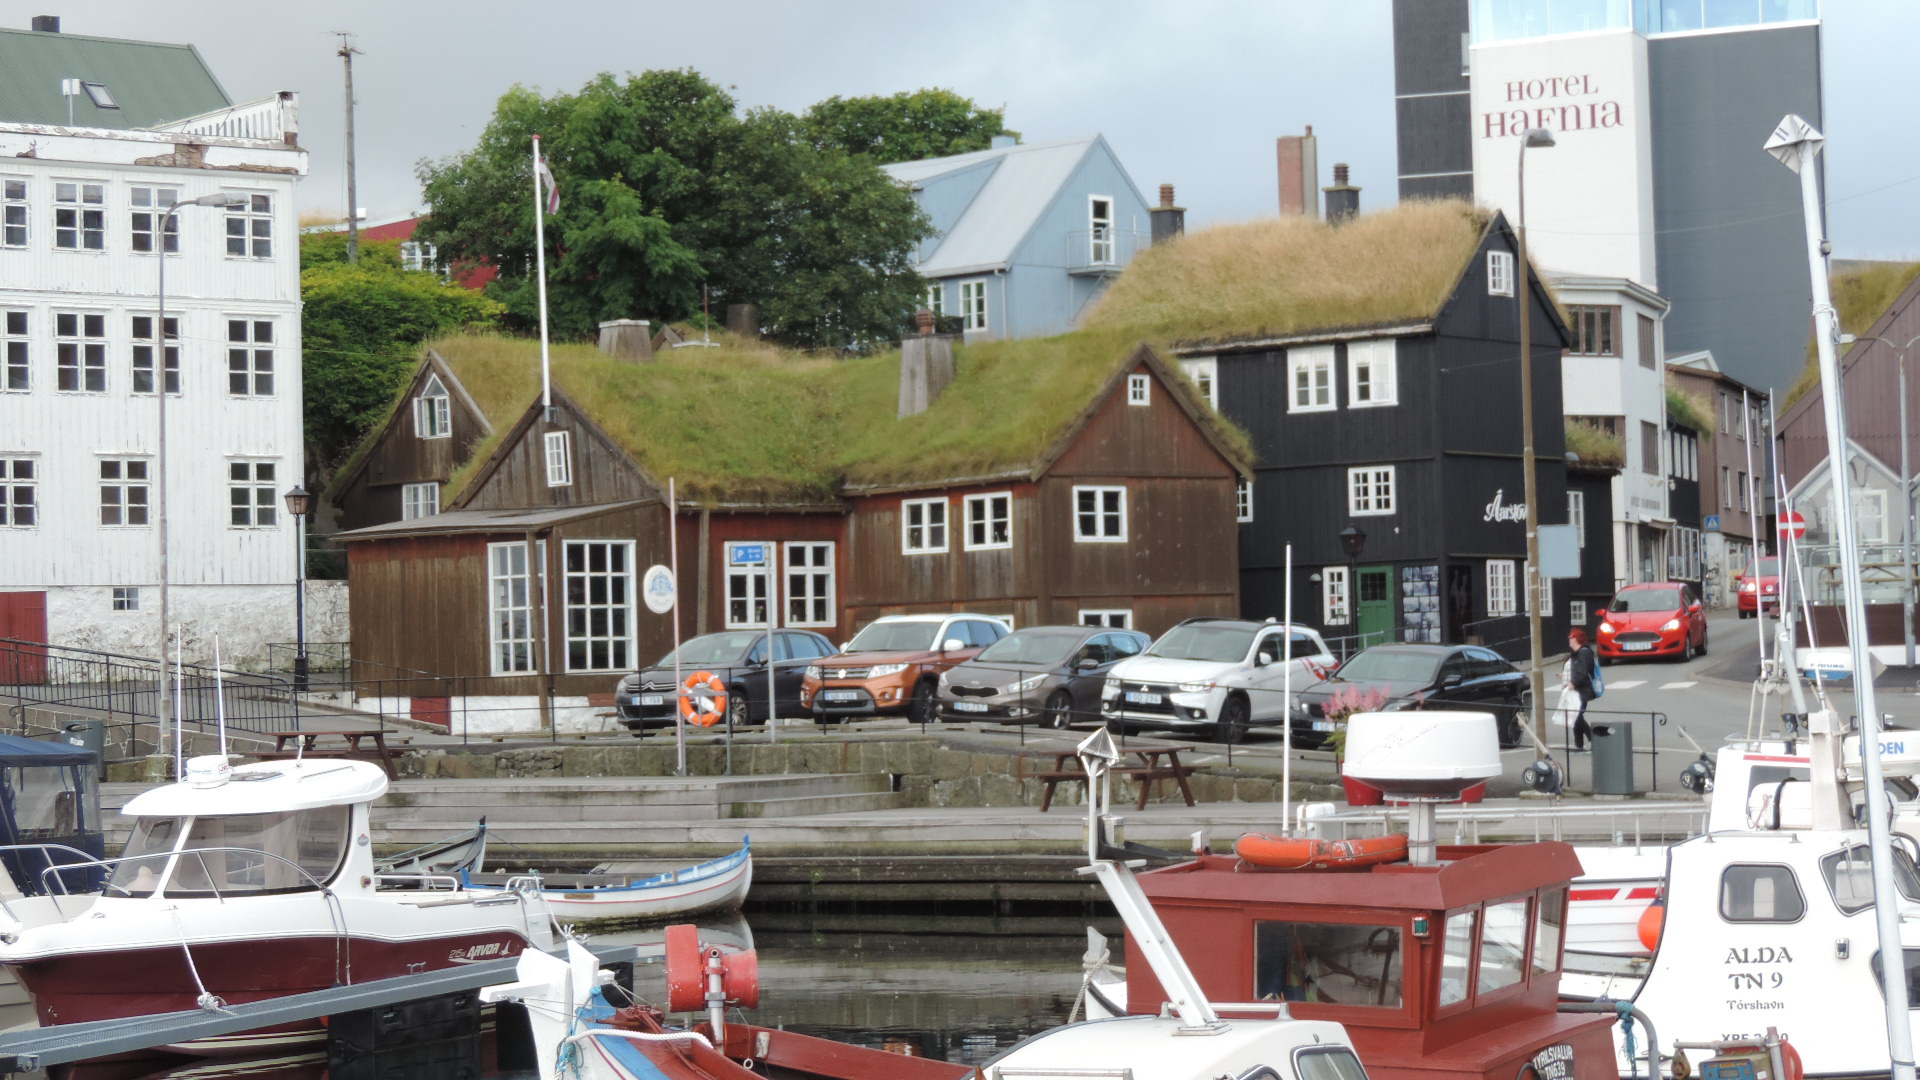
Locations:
{"points": [[893, 666]]}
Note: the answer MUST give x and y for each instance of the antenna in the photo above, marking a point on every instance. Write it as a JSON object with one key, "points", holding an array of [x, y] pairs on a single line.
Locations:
{"points": [[346, 54]]}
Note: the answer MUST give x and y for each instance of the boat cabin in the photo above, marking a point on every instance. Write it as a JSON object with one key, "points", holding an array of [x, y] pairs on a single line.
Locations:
{"points": [[1451, 968], [49, 816]]}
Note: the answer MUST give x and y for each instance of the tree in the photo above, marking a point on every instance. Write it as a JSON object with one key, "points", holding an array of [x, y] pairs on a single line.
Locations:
{"points": [[906, 126]]}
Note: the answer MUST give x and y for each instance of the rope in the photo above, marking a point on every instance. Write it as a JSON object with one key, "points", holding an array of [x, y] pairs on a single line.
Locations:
{"points": [[1623, 1011]]}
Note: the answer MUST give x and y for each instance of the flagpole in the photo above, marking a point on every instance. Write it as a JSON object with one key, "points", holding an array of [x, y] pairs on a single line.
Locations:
{"points": [[540, 263]]}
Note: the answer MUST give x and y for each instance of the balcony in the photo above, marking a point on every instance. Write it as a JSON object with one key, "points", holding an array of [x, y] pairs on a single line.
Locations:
{"points": [[1101, 252]]}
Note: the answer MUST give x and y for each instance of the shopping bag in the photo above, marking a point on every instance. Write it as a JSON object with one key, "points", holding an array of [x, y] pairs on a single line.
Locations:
{"points": [[1566, 708]]}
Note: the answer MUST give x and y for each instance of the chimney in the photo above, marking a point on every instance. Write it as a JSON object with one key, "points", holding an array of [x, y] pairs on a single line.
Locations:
{"points": [[1167, 220], [743, 319], [46, 24], [627, 339], [1004, 142], [1343, 199], [926, 366], [1299, 158]]}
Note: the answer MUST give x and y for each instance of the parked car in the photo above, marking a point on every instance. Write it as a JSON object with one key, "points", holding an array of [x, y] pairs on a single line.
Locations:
{"points": [[1049, 675], [1758, 589], [1655, 618], [648, 698], [893, 666], [1214, 676], [1419, 677]]}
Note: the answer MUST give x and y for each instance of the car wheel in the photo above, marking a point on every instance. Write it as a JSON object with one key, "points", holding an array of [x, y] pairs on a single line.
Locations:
{"points": [[1686, 649], [1233, 720], [1703, 643], [921, 711], [1510, 725], [736, 710], [1057, 713]]}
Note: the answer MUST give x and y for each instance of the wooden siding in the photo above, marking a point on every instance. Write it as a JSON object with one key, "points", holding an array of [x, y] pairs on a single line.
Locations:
{"points": [[1870, 372], [724, 527], [399, 456], [516, 477]]}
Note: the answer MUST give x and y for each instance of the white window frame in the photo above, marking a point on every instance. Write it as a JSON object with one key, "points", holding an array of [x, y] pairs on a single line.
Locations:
{"points": [[147, 210], [19, 491], [1101, 250], [16, 351], [1336, 607], [1577, 612], [1502, 588], [1139, 390], [1527, 585], [1870, 513], [973, 304], [979, 516], [1108, 618], [1371, 490], [417, 255], [142, 357], [1107, 513], [80, 354], [1499, 273], [1205, 373], [810, 583], [1577, 516], [517, 645], [250, 359], [15, 209], [1315, 363], [126, 598], [607, 590], [557, 452], [936, 298], [1243, 500], [746, 597], [920, 514], [75, 227], [123, 484], [250, 226], [420, 500], [1380, 360], [433, 410], [253, 493]]}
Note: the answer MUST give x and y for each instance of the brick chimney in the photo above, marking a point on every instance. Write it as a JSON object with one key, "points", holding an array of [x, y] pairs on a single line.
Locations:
{"points": [[627, 339], [1299, 159], [46, 24], [1166, 220], [1343, 199], [926, 366]]}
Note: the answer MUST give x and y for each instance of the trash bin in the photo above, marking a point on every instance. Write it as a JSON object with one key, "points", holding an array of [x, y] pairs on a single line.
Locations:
{"points": [[1613, 759], [89, 735]]}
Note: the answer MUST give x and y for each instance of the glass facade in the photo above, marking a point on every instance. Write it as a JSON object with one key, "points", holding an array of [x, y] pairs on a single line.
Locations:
{"points": [[1512, 20]]}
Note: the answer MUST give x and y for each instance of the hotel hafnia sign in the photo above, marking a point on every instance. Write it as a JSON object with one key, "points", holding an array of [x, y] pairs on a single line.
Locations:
{"points": [[1562, 103]]}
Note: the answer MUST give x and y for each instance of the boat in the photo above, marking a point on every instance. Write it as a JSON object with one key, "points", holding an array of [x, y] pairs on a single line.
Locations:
{"points": [[715, 885], [459, 854]]}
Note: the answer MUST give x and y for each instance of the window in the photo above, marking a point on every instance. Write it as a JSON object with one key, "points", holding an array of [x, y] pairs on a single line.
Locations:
{"points": [[1742, 487], [1100, 230], [1118, 618], [18, 506], [1334, 608], [1327, 963], [1649, 349], [1205, 373], [250, 357], [150, 206], [13, 212], [1324, 1062], [1593, 330], [251, 498], [1310, 373], [936, 300], [126, 598], [1139, 390], [1869, 515], [80, 216], [1849, 875], [14, 350], [1099, 514], [1370, 490], [1371, 375], [923, 526], [989, 521], [417, 255], [123, 491], [1499, 273], [1726, 487], [1456, 983], [101, 97], [746, 596], [143, 354], [599, 583], [250, 227], [419, 500], [1548, 920], [1503, 945], [510, 607], [1577, 516], [80, 351], [1577, 612], [1501, 597], [559, 458], [1760, 894], [433, 411], [1649, 448], [973, 305], [1243, 500], [810, 584]]}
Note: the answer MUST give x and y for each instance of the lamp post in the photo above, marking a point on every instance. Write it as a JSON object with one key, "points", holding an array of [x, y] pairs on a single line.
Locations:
{"points": [[1353, 541], [1539, 137], [1906, 488], [298, 503]]}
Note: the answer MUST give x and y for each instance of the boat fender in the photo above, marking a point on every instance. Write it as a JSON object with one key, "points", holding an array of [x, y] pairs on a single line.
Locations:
{"points": [[689, 963], [1652, 921]]}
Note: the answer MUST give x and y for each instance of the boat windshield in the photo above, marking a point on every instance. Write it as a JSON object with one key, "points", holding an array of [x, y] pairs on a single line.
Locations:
{"points": [[1849, 875], [239, 854], [144, 858], [1031, 647], [1327, 1063], [895, 637], [1330, 963], [1204, 641]]}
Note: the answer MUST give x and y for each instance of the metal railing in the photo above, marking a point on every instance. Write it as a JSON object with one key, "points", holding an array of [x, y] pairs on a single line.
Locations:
{"points": [[122, 687]]}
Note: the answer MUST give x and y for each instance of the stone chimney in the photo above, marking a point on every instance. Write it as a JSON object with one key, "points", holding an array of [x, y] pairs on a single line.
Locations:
{"points": [[1299, 159], [926, 366], [627, 339], [46, 24], [1343, 199], [1167, 220], [743, 319]]}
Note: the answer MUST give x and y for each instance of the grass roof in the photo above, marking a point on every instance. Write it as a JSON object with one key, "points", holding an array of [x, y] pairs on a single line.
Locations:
{"points": [[1688, 410], [1293, 274], [1594, 445], [1862, 291]]}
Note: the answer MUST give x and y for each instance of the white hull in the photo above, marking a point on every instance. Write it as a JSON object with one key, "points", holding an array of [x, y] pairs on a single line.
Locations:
{"points": [[716, 885]]}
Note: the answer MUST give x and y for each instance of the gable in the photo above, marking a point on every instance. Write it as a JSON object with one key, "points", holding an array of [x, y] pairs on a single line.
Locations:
{"points": [[515, 475], [945, 199], [1002, 213], [1058, 235], [1161, 438]]}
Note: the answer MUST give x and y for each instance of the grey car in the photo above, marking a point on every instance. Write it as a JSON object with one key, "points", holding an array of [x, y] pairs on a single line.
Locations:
{"points": [[1044, 675]]}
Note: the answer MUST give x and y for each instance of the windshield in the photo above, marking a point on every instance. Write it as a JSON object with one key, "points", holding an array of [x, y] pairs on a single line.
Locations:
{"points": [[1216, 642], [895, 637], [1764, 568], [239, 854], [1023, 647], [1647, 600], [716, 648], [138, 870], [1390, 665]]}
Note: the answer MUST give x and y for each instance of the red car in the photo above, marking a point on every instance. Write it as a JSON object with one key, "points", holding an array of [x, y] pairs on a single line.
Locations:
{"points": [[1759, 588], [1656, 618]]}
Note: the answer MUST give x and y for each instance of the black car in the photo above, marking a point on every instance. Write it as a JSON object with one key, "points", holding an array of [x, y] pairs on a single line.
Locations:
{"points": [[1418, 677], [1046, 675], [738, 658]]}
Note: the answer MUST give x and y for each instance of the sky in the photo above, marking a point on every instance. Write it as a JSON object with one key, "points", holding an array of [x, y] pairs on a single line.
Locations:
{"points": [[1190, 93]]}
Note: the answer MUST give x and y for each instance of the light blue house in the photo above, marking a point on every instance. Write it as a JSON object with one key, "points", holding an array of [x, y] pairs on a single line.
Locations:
{"points": [[1025, 235]]}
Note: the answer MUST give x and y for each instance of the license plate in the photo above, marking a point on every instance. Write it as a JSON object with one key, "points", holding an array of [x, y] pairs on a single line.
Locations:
{"points": [[649, 699], [841, 695], [1638, 646], [969, 706], [1323, 725], [1139, 698]]}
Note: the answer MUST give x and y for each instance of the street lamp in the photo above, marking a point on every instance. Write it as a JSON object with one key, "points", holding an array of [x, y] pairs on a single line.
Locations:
{"points": [[298, 503], [1540, 137], [1906, 485], [1353, 541]]}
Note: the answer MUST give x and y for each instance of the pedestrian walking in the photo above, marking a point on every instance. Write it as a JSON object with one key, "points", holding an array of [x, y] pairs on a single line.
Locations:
{"points": [[1581, 675]]}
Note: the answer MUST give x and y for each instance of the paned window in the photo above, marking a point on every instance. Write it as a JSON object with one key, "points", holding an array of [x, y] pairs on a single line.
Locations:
{"points": [[1577, 612], [1869, 516], [1139, 390], [143, 354], [1243, 500], [250, 227], [1501, 590], [810, 584], [80, 351], [1310, 374], [1499, 273], [1205, 373], [1116, 618], [1099, 514], [1726, 487], [417, 255], [1372, 378], [923, 526], [973, 305], [250, 357], [989, 521], [1334, 607], [1577, 516], [746, 597], [19, 506], [1593, 330], [80, 216], [1370, 490], [252, 502], [126, 598], [936, 300], [13, 212], [150, 206], [419, 500], [433, 410], [1100, 230], [559, 457], [510, 607], [1742, 486], [599, 582], [1649, 348], [15, 350], [123, 491], [1649, 448]]}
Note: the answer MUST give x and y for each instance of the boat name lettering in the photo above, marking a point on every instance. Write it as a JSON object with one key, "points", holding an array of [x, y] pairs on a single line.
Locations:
{"points": [[1497, 512], [1756, 980], [1554, 1062], [1758, 954], [476, 952], [1748, 1006]]}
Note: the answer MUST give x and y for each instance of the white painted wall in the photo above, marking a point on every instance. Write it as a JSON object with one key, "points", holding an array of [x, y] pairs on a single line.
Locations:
{"points": [[501, 715]]}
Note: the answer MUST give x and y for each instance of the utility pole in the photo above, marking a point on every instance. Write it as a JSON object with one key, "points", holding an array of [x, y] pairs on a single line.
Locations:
{"points": [[346, 54]]}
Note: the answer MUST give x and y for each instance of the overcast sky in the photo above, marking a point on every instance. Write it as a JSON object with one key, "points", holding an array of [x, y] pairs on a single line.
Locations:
{"points": [[1190, 92]]}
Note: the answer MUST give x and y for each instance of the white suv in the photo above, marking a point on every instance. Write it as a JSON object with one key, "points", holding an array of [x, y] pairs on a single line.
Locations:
{"points": [[1214, 675]]}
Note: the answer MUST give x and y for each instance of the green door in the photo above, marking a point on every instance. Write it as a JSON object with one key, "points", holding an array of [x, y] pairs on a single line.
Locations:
{"points": [[1375, 608]]}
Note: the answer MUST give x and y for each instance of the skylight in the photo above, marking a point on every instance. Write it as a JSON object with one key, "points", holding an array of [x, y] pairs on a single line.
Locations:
{"points": [[101, 97]]}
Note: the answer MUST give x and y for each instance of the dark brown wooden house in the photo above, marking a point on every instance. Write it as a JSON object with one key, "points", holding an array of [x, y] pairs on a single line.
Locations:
{"points": [[398, 473]]}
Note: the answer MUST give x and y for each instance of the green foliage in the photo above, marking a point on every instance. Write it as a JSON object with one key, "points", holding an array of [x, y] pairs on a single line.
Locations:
{"points": [[1689, 410], [666, 188], [1594, 445], [318, 249], [906, 126]]}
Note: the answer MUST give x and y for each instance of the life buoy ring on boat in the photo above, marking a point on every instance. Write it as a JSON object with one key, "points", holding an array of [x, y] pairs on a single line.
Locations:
{"points": [[703, 699], [1292, 853]]}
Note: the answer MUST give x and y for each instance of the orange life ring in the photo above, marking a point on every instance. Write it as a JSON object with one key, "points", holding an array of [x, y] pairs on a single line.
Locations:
{"points": [[703, 699], [1290, 853]]}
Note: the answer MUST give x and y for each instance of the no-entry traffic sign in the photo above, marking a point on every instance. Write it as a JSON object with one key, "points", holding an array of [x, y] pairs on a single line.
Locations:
{"points": [[1792, 525]]}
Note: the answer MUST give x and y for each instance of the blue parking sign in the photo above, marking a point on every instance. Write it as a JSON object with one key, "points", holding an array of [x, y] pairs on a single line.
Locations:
{"points": [[746, 554]]}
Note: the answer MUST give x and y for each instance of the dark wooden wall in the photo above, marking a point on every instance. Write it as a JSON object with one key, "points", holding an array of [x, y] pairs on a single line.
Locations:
{"points": [[399, 456], [602, 471]]}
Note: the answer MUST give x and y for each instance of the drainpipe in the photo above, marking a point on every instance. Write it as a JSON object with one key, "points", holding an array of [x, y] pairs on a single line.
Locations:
{"points": [[537, 571]]}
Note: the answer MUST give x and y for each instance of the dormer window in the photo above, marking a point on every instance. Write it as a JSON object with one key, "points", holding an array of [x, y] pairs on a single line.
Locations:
{"points": [[432, 411], [1499, 273], [559, 459]]}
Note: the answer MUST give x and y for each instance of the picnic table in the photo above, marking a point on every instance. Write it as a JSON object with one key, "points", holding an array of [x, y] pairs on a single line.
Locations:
{"points": [[308, 743], [1157, 762]]}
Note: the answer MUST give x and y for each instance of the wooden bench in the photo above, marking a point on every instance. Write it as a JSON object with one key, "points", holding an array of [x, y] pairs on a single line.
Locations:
{"points": [[306, 744], [1158, 762]]}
